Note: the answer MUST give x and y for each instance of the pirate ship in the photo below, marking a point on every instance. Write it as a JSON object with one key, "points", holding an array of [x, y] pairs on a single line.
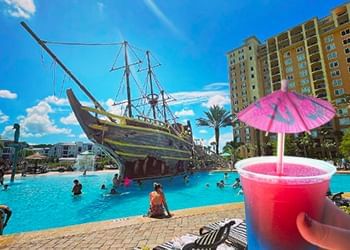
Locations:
{"points": [[145, 144]]}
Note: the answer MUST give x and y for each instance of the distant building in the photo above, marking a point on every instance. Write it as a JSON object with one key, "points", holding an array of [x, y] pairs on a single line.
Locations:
{"points": [[314, 56], [8, 152], [71, 150]]}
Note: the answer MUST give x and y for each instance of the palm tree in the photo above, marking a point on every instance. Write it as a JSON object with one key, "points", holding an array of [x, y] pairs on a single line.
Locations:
{"points": [[329, 144], [217, 117], [305, 141]]}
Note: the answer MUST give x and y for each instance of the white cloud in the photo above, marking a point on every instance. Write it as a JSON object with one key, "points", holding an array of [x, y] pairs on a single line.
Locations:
{"points": [[7, 94], [219, 100], [184, 112], [37, 123], [216, 86], [21, 8], [114, 109], [56, 101], [3, 117], [82, 136], [100, 6], [203, 131], [163, 18], [69, 120]]}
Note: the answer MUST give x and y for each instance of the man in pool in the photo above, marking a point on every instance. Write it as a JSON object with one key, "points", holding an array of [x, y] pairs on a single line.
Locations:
{"points": [[77, 187], [5, 214], [158, 203]]}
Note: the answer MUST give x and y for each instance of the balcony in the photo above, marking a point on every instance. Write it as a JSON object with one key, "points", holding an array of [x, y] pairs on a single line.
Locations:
{"points": [[315, 58], [316, 67], [343, 18], [283, 44], [273, 56], [297, 38], [322, 95], [314, 49], [309, 25], [276, 85], [297, 30], [275, 71], [272, 48], [311, 41], [310, 33], [317, 76], [276, 78], [274, 64], [319, 87]]}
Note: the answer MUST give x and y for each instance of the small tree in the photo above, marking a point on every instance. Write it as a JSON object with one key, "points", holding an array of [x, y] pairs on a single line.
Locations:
{"points": [[345, 144], [305, 141]]}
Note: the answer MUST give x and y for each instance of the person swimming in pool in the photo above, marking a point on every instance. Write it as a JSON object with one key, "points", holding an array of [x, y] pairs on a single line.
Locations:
{"points": [[76, 190]]}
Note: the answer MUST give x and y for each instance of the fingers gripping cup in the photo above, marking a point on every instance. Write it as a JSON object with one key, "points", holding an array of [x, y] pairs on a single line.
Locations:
{"points": [[273, 201]]}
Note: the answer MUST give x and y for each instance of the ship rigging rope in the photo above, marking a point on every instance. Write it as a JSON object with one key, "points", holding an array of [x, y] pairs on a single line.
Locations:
{"points": [[82, 44]]}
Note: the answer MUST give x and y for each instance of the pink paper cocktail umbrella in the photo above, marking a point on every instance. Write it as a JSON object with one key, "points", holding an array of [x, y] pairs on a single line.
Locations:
{"points": [[286, 112]]}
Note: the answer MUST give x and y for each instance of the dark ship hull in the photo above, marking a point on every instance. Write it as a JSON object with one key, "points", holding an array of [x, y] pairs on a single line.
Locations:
{"points": [[145, 148]]}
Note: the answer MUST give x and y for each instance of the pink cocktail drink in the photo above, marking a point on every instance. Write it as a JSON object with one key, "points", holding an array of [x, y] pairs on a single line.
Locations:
{"points": [[273, 201]]}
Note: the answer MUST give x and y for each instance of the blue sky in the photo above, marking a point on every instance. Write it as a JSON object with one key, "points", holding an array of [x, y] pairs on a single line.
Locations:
{"points": [[190, 39]]}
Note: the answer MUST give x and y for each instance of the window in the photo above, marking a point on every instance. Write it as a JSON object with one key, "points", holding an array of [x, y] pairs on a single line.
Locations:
{"points": [[347, 50], [340, 101], [247, 131], [290, 77], [250, 47], [337, 82], [291, 85], [253, 86], [335, 73], [286, 54], [251, 68], [348, 59], [303, 73], [288, 61], [344, 121], [329, 39], [304, 82], [301, 57], [332, 55], [250, 58], [334, 64], [305, 90], [345, 32], [302, 65], [342, 112], [346, 41], [289, 69], [330, 46], [339, 91], [300, 49]]}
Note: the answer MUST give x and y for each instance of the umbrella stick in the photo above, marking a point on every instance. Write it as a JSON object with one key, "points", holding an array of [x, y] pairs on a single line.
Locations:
{"points": [[280, 152]]}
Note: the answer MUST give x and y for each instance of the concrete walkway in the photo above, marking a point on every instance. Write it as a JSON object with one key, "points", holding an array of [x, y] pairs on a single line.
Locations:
{"points": [[124, 233]]}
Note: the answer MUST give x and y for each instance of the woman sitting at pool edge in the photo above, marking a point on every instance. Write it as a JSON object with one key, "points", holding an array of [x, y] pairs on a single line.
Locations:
{"points": [[158, 203]]}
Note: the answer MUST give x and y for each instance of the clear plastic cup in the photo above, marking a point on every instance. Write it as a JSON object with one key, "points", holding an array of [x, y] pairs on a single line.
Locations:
{"points": [[272, 202]]}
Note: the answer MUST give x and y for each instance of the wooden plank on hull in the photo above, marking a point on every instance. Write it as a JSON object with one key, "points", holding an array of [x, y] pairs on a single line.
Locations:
{"points": [[123, 144]]}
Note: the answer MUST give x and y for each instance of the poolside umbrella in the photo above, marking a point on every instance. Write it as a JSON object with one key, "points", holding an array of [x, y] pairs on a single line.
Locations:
{"points": [[286, 112], [36, 157]]}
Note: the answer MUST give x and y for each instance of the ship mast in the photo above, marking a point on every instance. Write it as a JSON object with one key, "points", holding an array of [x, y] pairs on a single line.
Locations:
{"points": [[56, 59], [127, 77], [153, 100]]}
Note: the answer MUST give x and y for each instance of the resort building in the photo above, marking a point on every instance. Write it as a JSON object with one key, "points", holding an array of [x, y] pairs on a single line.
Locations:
{"points": [[314, 56], [71, 150]]}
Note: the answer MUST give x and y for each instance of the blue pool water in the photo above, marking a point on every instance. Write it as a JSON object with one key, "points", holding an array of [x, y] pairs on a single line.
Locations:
{"points": [[43, 202]]}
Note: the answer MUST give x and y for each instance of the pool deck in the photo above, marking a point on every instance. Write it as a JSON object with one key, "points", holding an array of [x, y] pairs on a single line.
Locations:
{"points": [[124, 233]]}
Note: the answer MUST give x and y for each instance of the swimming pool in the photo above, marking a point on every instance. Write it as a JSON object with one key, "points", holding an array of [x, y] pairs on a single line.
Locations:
{"points": [[42, 202]]}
